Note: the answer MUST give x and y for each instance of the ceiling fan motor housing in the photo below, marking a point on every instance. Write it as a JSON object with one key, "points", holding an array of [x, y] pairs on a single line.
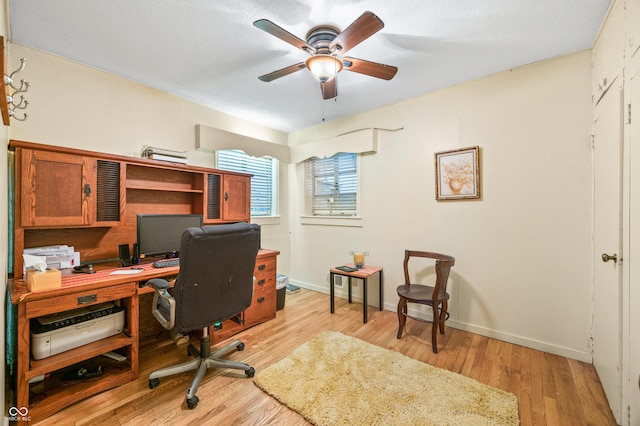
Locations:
{"points": [[320, 38]]}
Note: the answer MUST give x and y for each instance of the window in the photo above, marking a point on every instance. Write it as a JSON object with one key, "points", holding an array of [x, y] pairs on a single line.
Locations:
{"points": [[332, 185], [263, 182]]}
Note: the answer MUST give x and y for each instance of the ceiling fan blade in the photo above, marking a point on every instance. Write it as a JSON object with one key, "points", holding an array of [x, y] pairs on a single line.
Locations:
{"points": [[374, 69], [362, 28], [329, 89], [281, 73], [282, 34]]}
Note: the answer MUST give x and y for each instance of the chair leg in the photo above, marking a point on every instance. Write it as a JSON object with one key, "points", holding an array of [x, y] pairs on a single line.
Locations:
{"points": [[175, 369], [443, 315], [402, 315], [434, 329]]}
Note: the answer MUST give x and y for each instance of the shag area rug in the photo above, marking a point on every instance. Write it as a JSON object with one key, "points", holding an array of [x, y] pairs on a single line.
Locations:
{"points": [[339, 380]]}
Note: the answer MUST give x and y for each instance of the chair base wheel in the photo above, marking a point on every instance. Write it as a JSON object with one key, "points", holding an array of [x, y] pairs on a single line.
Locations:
{"points": [[193, 351], [250, 372], [240, 347], [192, 402], [153, 383]]}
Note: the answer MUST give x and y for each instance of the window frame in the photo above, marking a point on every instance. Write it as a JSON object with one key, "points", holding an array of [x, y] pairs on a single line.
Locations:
{"points": [[308, 218]]}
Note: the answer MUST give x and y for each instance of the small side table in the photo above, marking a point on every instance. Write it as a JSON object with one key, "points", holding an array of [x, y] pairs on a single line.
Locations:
{"points": [[363, 274]]}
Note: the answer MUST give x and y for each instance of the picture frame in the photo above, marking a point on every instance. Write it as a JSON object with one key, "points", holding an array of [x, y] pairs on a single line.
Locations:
{"points": [[457, 174]]}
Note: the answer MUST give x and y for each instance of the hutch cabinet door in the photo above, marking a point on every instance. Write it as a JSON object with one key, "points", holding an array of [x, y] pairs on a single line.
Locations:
{"points": [[57, 189], [236, 206]]}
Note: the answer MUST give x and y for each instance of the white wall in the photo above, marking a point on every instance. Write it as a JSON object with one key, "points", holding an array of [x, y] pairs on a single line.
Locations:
{"points": [[523, 252]]}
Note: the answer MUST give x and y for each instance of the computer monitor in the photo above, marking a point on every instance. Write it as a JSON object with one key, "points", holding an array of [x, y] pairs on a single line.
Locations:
{"points": [[160, 234]]}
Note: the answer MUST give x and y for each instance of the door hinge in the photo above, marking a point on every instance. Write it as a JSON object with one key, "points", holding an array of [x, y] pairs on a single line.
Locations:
{"points": [[627, 114], [592, 142]]}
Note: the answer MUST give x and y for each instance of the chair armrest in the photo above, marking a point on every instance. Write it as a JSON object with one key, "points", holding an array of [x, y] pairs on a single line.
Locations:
{"points": [[164, 305], [158, 284]]}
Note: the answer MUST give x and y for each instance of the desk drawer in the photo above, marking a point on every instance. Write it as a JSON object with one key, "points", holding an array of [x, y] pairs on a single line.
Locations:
{"points": [[264, 282], [53, 305], [265, 267], [262, 308]]}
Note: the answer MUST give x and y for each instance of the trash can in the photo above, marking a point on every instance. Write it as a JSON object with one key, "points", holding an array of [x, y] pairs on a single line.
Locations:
{"points": [[281, 290]]}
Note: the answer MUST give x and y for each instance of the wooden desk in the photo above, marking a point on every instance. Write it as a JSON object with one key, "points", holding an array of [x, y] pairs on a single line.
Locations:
{"points": [[363, 274], [80, 290]]}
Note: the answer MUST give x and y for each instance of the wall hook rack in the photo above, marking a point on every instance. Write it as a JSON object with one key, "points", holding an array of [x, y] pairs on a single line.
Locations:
{"points": [[11, 99], [13, 90]]}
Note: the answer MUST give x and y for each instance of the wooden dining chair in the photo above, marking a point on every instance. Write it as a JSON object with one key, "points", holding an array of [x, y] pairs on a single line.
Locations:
{"points": [[435, 296]]}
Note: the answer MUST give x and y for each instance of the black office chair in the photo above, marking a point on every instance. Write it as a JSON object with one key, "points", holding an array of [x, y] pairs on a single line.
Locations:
{"points": [[215, 283]]}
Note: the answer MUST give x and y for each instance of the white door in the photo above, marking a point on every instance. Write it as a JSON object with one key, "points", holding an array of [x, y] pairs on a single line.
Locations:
{"points": [[632, 261], [607, 297]]}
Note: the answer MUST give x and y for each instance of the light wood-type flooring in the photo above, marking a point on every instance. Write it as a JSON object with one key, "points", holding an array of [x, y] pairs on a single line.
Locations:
{"points": [[551, 390]]}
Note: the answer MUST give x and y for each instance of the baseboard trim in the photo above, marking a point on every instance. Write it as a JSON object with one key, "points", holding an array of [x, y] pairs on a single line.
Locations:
{"points": [[472, 328]]}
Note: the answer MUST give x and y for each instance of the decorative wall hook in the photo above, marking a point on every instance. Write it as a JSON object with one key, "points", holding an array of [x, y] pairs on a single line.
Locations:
{"points": [[12, 90]]}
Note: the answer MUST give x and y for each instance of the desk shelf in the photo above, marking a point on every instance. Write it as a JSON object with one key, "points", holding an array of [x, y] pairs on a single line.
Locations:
{"points": [[146, 187], [82, 353], [52, 394]]}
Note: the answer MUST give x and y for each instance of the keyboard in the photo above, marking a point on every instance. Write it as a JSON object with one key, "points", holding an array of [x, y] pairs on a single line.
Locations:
{"points": [[166, 263]]}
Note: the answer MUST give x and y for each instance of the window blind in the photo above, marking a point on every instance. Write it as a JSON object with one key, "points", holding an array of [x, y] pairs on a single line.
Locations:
{"points": [[261, 183], [332, 185]]}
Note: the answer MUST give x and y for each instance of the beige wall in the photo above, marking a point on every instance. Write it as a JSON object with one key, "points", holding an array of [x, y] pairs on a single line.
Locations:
{"points": [[523, 252]]}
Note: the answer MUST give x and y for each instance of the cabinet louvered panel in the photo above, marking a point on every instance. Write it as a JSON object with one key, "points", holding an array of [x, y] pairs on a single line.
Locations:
{"points": [[108, 191], [213, 196]]}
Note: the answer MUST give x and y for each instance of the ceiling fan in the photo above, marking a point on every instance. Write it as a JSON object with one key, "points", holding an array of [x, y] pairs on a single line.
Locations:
{"points": [[327, 45]]}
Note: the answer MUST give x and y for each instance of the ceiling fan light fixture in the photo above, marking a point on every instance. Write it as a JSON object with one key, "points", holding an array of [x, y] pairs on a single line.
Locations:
{"points": [[324, 67]]}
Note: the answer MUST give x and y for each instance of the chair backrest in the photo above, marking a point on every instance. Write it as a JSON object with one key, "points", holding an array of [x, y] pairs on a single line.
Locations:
{"points": [[444, 263], [215, 281]]}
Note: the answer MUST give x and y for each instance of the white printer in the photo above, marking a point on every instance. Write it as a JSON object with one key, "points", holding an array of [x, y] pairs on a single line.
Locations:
{"points": [[56, 333]]}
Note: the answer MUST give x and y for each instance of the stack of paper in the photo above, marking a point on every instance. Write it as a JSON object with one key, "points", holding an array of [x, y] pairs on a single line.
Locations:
{"points": [[59, 257]]}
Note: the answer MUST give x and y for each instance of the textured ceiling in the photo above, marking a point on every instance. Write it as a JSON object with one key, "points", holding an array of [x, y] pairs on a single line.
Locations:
{"points": [[208, 51]]}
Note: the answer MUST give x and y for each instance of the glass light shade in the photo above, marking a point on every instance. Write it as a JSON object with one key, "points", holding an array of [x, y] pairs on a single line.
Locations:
{"points": [[324, 67]]}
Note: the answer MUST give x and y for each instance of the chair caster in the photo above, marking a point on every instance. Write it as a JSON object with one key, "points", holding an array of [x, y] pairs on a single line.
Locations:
{"points": [[240, 347], [153, 383], [192, 351], [192, 402], [250, 372]]}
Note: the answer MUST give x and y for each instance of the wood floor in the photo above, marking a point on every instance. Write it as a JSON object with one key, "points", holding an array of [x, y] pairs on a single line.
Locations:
{"points": [[551, 390]]}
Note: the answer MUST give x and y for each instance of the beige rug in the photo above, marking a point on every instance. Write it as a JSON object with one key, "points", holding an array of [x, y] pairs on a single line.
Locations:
{"points": [[338, 380]]}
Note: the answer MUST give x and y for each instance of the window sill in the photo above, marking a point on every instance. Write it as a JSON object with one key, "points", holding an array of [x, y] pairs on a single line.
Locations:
{"points": [[353, 221], [265, 220]]}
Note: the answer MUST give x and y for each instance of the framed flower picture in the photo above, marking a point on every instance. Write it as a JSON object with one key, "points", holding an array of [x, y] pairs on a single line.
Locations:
{"points": [[458, 174]]}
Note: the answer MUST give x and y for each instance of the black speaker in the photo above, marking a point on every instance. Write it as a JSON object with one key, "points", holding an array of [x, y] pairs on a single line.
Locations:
{"points": [[136, 257], [125, 257]]}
